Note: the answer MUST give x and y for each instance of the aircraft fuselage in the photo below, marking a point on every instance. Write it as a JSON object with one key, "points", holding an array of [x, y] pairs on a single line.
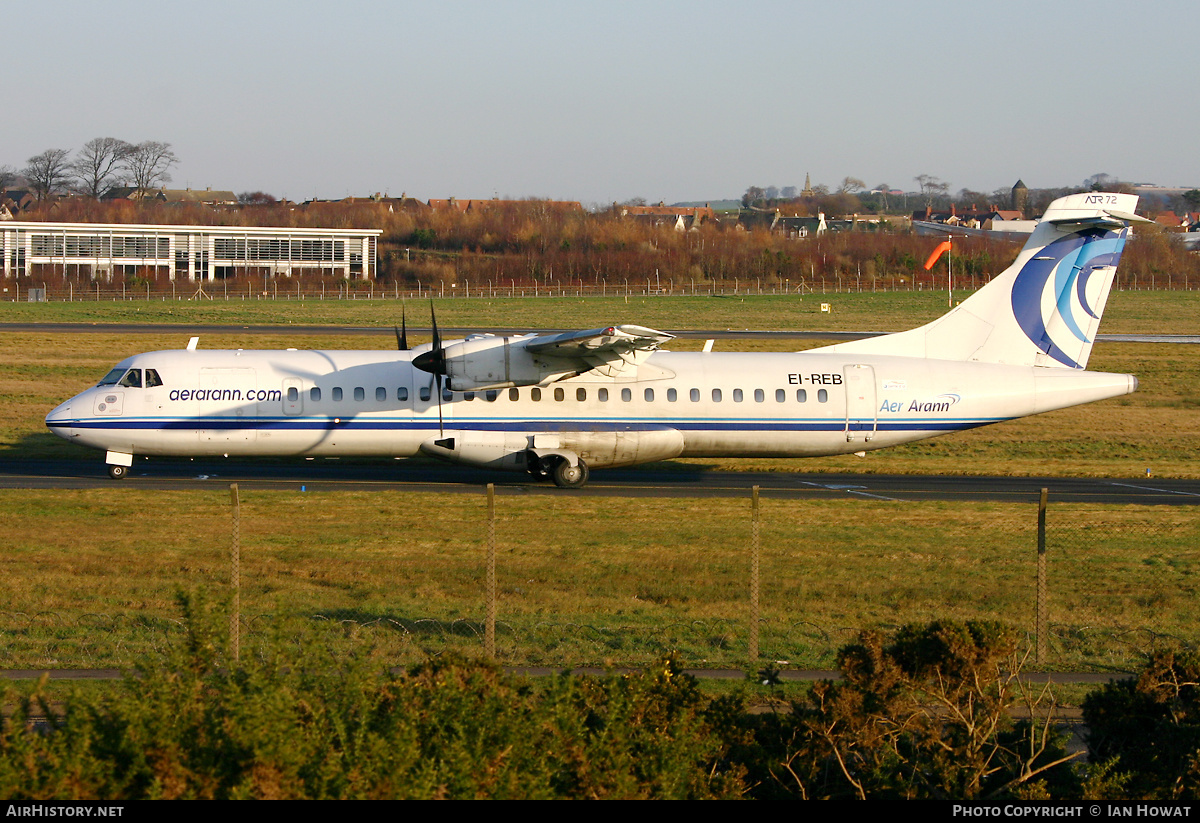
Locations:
{"points": [[682, 404]]}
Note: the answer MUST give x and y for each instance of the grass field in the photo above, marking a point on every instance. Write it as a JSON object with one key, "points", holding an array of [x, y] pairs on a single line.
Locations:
{"points": [[91, 576], [1128, 312]]}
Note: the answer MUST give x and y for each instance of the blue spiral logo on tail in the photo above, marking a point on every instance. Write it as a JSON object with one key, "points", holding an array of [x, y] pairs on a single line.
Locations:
{"points": [[1065, 266]]}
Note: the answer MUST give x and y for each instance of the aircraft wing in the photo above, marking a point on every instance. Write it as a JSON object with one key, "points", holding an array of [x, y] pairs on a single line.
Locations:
{"points": [[618, 340]]}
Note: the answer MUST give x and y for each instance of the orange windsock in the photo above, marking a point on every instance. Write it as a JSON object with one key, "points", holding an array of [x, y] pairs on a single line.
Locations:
{"points": [[942, 248]]}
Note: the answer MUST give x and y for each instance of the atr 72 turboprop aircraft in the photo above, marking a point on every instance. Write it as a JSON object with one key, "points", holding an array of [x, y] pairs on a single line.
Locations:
{"points": [[559, 405]]}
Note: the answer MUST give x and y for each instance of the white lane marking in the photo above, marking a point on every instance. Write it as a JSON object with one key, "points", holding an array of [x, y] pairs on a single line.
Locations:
{"points": [[1152, 489], [843, 487]]}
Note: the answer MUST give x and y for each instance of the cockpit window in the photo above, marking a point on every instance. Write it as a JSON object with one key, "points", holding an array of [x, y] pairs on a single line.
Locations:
{"points": [[132, 379], [112, 377], [152, 378]]}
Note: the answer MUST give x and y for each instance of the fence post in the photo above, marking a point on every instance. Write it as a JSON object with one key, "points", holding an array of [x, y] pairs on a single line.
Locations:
{"points": [[489, 626], [1042, 617], [754, 550], [235, 573]]}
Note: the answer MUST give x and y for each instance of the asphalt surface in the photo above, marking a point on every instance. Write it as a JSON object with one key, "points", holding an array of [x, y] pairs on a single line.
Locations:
{"points": [[655, 480]]}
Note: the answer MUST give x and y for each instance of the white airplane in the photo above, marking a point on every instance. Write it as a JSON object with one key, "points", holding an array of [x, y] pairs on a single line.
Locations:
{"points": [[559, 405]]}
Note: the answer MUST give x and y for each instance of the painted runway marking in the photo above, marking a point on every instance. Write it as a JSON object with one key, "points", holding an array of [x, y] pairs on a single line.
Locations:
{"points": [[1152, 489], [843, 487]]}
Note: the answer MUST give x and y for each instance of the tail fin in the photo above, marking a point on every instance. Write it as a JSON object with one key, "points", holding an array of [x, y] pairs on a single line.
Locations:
{"points": [[1044, 309]]}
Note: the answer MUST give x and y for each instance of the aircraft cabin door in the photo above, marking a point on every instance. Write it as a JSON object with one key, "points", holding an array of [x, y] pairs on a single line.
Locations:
{"points": [[862, 412], [293, 396]]}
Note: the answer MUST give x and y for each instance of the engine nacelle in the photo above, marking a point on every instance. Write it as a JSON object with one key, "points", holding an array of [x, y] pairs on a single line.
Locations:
{"points": [[497, 363], [503, 451]]}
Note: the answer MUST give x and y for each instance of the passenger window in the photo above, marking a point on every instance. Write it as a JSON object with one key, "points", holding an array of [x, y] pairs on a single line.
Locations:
{"points": [[337, 393], [581, 395], [626, 395], [737, 395], [801, 395], [559, 395], [695, 394], [602, 395], [152, 378], [468, 395], [132, 379], [672, 395], [447, 395], [649, 395], [402, 394], [424, 394], [535, 394], [780, 396], [490, 395], [314, 394], [716, 395], [381, 394], [360, 394], [293, 394], [822, 395], [514, 394], [759, 396]]}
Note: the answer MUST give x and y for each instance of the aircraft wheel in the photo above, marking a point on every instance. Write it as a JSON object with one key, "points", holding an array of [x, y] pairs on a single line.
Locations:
{"points": [[567, 476], [117, 472]]}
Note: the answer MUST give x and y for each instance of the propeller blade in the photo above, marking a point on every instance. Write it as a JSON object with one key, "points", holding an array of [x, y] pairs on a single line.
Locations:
{"points": [[402, 332], [441, 425], [434, 360], [439, 364], [437, 339]]}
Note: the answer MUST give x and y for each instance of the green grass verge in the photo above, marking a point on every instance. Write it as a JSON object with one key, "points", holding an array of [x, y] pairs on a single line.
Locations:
{"points": [[91, 576], [1128, 312]]}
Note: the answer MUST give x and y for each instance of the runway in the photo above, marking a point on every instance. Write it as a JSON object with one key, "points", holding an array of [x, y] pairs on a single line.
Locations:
{"points": [[654, 480]]}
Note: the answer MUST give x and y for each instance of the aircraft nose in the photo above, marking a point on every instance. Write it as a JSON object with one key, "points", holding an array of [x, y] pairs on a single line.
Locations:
{"points": [[59, 415]]}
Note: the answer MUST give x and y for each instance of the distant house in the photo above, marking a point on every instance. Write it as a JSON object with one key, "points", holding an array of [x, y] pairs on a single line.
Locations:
{"points": [[15, 201], [1170, 220], [972, 218], [383, 201], [454, 204], [203, 197], [680, 218]]}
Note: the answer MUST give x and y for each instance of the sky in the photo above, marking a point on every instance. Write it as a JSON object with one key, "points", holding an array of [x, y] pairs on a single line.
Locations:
{"points": [[606, 100]]}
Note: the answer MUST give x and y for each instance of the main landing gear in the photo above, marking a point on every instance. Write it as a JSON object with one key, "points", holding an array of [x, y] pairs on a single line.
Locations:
{"points": [[567, 476], [559, 469]]}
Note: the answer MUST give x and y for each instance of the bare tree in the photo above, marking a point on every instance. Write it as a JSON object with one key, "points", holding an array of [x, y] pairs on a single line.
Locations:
{"points": [[47, 172], [149, 164], [99, 165], [850, 185], [257, 198], [8, 176], [931, 187]]}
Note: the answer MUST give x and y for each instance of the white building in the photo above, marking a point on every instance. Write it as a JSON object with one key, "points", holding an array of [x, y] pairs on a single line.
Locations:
{"points": [[186, 252]]}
